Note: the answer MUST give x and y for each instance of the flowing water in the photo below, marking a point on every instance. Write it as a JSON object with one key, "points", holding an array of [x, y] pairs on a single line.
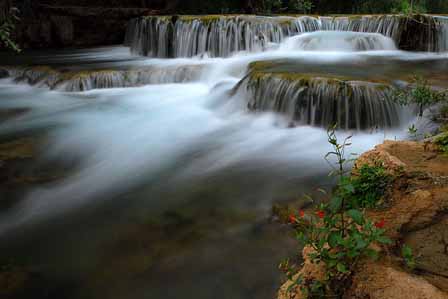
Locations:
{"points": [[167, 169]]}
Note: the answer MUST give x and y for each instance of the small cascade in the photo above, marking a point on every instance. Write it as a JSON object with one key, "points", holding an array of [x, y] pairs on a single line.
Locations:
{"points": [[442, 38], [93, 80], [101, 79], [338, 41], [150, 36], [322, 102], [221, 36], [387, 25]]}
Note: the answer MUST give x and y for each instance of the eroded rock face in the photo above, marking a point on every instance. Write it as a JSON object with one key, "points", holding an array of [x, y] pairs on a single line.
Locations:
{"points": [[431, 249], [376, 281], [417, 214]]}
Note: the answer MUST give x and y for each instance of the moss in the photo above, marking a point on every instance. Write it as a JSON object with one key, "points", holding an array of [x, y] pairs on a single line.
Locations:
{"points": [[19, 149], [87, 74]]}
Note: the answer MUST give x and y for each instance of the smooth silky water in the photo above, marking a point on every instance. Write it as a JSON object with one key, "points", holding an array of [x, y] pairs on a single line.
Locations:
{"points": [[168, 188]]}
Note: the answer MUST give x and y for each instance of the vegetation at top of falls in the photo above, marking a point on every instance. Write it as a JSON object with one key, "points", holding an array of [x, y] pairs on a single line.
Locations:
{"points": [[8, 22], [338, 233], [321, 7]]}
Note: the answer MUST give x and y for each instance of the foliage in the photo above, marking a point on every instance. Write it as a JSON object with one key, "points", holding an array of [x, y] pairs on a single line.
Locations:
{"points": [[410, 7], [421, 94], [442, 142], [413, 131], [338, 232], [408, 257], [7, 28], [369, 185], [302, 6], [264, 6]]}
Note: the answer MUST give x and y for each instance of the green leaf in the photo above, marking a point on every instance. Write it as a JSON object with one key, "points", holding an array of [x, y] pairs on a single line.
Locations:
{"points": [[349, 188], [361, 243], [384, 240], [341, 268], [335, 203], [357, 216], [333, 239], [406, 251], [373, 254]]}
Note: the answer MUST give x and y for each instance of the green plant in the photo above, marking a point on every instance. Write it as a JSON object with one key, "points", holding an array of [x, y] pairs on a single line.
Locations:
{"points": [[443, 114], [408, 257], [413, 131], [7, 27], [338, 233], [370, 186], [410, 7], [303, 6], [421, 94], [442, 142]]}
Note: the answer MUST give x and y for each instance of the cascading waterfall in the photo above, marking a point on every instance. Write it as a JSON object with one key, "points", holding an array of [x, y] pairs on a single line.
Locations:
{"points": [[221, 36], [101, 79], [323, 101]]}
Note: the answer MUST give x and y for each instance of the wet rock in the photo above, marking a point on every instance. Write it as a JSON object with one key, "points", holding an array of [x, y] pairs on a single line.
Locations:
{"points": [[3, 73]]}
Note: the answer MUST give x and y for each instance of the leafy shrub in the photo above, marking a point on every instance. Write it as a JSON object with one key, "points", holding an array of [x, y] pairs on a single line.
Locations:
{"points": [[421, 94], [442, 142], [369, 186], [7, 27]]}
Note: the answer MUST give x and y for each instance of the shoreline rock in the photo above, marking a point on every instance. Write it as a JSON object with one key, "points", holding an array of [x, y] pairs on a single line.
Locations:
{"points": [[417, 215]]}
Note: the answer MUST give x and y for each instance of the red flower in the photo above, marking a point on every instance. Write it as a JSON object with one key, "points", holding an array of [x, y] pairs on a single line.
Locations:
{"points": [[380, 224], [301, 213], [320, 214], [292, 219]]}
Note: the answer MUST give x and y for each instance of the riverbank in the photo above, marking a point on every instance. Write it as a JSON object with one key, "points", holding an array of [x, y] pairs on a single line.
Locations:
{"points": [[415, 214]]}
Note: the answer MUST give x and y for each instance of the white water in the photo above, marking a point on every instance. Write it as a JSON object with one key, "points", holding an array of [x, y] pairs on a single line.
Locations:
{"points": [[339, 41], [224, 36], [125, 135]]}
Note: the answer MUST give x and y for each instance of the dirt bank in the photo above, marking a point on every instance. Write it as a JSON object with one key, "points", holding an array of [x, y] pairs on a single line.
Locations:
{"points": [[415, 213]]}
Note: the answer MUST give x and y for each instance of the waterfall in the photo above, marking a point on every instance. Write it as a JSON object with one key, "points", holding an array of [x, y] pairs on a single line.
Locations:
{"points": [[100, 79], [149, 36], [442, 38], [221, 36], [322, 102]]}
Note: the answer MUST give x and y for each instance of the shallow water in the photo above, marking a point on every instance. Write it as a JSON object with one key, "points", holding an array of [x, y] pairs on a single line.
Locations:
{"points": [[170, 186]]}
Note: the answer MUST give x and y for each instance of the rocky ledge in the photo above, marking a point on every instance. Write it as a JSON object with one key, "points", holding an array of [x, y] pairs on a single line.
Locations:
{"points": [[416, 214]]}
